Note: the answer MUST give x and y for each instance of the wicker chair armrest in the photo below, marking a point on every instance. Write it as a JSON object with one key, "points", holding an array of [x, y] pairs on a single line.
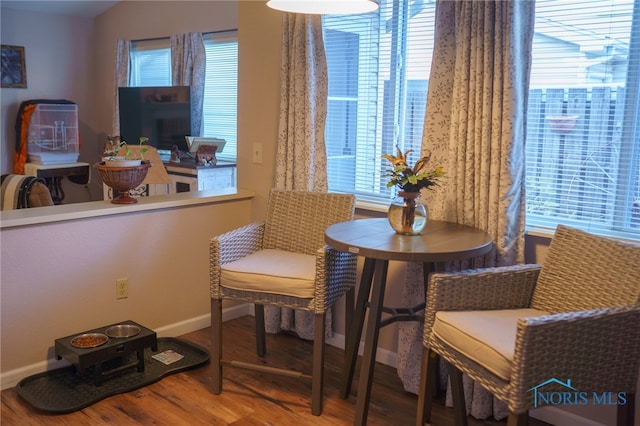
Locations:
{"points": [[231, 246], [335, 275], [503, 287], [598, 350]]}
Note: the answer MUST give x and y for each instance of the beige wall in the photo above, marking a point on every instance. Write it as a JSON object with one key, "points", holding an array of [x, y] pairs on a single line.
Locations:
{"points": [[59, 278], [259, 96], [58, 53]]}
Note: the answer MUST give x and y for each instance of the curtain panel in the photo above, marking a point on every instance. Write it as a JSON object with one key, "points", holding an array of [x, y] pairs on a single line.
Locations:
{"points": [[475, 127], [301, 161], [121, 79], [188, 67]]}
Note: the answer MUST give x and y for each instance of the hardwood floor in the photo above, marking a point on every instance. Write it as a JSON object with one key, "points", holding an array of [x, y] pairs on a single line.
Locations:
{"points": [[248, 397]]}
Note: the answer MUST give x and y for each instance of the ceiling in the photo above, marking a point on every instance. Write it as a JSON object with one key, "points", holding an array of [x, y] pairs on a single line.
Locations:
{"points": [[81, 8]]}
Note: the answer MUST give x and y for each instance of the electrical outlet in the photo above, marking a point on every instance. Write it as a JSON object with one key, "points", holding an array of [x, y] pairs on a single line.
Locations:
{"points": [[122, 288]]}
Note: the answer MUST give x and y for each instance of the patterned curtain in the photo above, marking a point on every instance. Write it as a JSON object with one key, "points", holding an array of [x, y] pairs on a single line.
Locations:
{"points": [[475, 127], [121, 79], [301, 159], [188, 65]]}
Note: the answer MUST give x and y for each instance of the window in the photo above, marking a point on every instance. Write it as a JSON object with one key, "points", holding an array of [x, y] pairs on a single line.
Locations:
{"points": [[583, 129], [151, 66], [378, 65]]}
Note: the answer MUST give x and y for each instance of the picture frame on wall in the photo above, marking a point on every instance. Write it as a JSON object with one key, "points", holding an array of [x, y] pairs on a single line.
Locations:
{"points": [[13, 70]]}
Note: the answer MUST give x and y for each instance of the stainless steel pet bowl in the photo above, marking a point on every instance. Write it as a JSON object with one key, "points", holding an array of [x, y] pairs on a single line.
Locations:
{"points": [[122, 330]]}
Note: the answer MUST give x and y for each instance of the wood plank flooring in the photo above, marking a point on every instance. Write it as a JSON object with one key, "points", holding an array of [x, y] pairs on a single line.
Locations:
{"points": [[248, 397]]}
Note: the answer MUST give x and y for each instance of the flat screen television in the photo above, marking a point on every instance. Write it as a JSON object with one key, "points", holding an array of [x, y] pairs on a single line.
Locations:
{"points": [[162, 114]]}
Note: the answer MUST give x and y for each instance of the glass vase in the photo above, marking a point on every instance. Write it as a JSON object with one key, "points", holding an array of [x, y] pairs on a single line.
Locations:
{"points": [[407, 215]]}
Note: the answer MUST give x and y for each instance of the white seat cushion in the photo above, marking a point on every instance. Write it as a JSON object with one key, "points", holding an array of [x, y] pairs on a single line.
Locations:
{"points": [[486, 337], [272, 271]]}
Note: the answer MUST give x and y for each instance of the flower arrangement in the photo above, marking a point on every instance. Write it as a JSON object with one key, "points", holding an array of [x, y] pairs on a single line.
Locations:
{"points": [[407, 215], [411, 179]]}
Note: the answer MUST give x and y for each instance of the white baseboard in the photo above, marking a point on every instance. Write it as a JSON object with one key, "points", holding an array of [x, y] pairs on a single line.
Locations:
{"points": [[203, 321], [383, 356], [558, 417], [11, 378]]}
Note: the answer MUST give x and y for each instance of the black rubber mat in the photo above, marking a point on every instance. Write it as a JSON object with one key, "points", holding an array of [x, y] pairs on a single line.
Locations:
{"points": [[64, 391]]}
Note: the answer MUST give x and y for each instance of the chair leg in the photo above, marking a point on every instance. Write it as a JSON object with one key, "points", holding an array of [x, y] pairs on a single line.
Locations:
{"points": [[261, 342], [457, 392], [317, 375], [349, 310], [216, 342], [427, 388], [626, 412], [521, 419]]}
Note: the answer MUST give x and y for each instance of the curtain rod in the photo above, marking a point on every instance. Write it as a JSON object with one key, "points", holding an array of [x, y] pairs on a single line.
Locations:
{"points": [[166, 37]]}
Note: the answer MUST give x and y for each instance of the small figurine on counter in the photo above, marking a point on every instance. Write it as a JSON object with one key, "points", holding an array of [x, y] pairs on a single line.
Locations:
{"points": [[112, 145], [175, 154]]}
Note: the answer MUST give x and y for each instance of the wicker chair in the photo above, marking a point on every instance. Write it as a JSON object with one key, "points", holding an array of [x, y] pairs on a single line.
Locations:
{"points": [[573, 322], [284, 262]]}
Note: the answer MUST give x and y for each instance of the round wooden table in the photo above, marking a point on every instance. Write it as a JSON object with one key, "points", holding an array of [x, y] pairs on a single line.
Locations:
{"points": [[376, 241]]}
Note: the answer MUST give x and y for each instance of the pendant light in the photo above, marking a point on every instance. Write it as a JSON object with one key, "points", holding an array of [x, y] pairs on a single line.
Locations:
{"points": [[324, 7]]}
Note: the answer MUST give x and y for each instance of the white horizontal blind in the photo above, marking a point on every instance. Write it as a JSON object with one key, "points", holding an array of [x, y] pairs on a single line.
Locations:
{"points": [[379, 64], [583, 130], [150, 63], [220, 112]]}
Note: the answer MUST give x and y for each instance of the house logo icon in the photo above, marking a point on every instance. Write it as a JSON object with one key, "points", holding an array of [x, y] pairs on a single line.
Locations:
{"points": [[568, 395], [537, 392]]}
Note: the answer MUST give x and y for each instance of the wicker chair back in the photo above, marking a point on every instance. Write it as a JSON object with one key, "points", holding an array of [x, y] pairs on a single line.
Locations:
{"points": [[582, 271], [296, 220]]}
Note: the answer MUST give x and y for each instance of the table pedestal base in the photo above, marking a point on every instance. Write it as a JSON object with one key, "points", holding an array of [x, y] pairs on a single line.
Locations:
{"points": [[374, 275], [441, 242]]}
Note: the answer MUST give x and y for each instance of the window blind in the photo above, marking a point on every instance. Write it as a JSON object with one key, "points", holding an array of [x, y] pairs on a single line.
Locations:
{"points": [[583, 137], [151, 63], [378, 65], [220, 110]]}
